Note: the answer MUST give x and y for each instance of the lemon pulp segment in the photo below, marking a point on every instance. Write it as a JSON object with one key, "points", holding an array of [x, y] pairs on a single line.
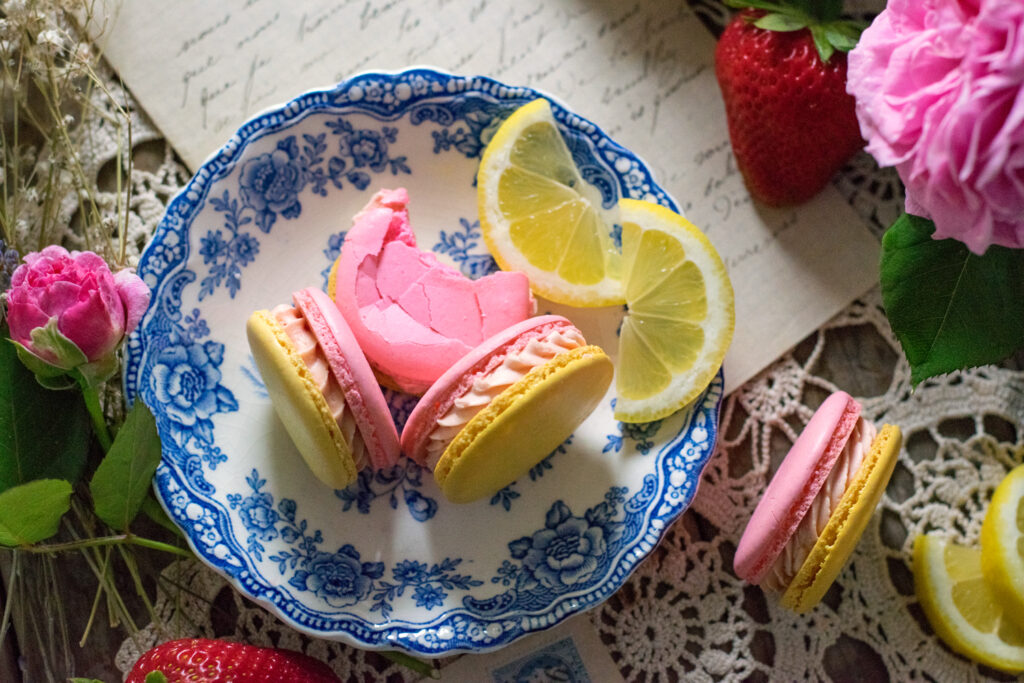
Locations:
{"points": [[540, 216], [1002, 543], [681, 313], [961, 605]]}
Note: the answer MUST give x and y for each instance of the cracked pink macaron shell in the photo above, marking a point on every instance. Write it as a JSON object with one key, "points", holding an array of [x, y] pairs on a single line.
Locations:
{"points": [[796, 483], [349, 367], [412, 315], [459, 378]]}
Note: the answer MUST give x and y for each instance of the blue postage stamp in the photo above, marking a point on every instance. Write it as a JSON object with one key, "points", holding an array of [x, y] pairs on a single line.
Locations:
{"points": [[559, 661]]}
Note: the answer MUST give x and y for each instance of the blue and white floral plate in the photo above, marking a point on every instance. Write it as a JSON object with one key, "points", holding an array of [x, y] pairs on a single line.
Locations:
{"points": [[387, 563]]}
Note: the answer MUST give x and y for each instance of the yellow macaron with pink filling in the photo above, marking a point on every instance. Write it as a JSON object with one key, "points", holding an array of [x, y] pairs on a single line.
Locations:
{"points": [[818, 504], [322, 388], [505, 405]]}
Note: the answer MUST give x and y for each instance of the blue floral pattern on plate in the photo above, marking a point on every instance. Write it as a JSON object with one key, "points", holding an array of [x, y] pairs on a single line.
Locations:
{"points": [[401, 481], [340, 578], [403, 568], [270, 185]]}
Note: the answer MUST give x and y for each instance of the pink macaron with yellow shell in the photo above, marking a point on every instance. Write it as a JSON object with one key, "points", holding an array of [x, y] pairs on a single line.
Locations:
{"points": [[413, 315], [505, 405], [818, 504], [322, 388]]}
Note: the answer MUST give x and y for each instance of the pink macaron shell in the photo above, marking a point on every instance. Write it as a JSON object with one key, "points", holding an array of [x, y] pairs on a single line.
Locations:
{"points": [[457, 380], [412, 315], [796, 483], [350, 368]]}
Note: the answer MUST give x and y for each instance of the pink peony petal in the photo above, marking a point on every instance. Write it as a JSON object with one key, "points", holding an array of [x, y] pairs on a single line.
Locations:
{"points": [[52, 252], [939, 87], [57, 296], [134, 296], [89, 261], [23, 316], [89, 325]]}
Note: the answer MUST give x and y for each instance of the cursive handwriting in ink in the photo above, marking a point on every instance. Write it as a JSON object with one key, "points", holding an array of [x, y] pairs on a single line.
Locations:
{"points": [[255, 65], [193, 72], [193, 40], [208, 95]]}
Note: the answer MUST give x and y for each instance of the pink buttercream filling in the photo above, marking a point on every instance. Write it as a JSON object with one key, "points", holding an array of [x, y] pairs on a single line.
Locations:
{"points": [[306, 346], [485, 388], [799, 546]]}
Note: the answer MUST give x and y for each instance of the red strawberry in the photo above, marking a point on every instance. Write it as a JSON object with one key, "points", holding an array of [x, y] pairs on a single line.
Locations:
{"points": [[201, 660], [783, 79]]}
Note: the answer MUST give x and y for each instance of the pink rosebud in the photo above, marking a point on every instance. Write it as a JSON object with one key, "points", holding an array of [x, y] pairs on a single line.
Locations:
{"points": [[68, 309], [940, 95]]}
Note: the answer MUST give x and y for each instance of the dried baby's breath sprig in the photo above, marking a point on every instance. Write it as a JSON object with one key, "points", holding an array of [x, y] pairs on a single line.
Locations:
{"points": [[48, 87], [52, 99]]}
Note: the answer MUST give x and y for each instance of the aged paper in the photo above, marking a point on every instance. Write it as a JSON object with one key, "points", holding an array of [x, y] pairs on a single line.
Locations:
{"points": [[641, 70], [571, 651]]}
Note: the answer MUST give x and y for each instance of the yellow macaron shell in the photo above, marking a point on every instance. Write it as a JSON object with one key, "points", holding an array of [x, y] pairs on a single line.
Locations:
{"points": [[332, 279], [298, 402], [523, 424], [846, 524]]}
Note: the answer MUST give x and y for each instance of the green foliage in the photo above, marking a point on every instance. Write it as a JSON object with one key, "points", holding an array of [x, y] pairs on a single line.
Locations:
{"points": [[31, 512], [950, 308], [43, 434], [152, 509], [49, 337], [780, 22], [124, 477], [828, 31]]}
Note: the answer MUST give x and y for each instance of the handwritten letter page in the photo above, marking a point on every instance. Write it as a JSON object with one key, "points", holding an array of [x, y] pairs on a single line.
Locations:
{"points": [[641, 70]]}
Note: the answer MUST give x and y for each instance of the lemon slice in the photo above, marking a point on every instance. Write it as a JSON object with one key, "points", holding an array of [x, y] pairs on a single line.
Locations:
{"points": [[1002, 543], [539, 216], [681, 313], [961, 606]]}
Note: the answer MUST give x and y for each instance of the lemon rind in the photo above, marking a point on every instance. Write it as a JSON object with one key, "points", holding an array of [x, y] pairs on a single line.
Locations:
{"points": [[930, 577]]}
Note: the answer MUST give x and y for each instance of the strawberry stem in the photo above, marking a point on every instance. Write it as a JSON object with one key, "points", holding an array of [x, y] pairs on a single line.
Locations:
{"points": [[821, 17]]}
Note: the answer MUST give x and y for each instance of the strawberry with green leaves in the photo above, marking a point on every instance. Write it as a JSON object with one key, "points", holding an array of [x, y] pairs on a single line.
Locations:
{"points": [[203, 660], [781, 67]]}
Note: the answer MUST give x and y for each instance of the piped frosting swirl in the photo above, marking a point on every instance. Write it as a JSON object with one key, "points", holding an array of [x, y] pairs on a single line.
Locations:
{"points": [[305, 343], [513, 367], [799, 546]]}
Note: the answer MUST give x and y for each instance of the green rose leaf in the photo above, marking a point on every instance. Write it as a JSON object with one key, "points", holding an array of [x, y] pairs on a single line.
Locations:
{"points": [[43, 434], [37, 365], [152, 509], [31, 512], [950, 308], [49, 337], [125, 474]]}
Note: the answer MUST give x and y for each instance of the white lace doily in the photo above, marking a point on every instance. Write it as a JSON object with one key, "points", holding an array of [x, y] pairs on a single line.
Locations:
{"points": [[683, 613]]}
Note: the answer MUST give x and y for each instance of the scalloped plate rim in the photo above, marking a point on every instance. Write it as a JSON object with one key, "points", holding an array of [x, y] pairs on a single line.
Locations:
{"points": [[221, 162]]}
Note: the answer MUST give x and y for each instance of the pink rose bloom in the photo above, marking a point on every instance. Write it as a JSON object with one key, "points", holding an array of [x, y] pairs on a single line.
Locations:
{"points": [[77, 295], [938, 85]]}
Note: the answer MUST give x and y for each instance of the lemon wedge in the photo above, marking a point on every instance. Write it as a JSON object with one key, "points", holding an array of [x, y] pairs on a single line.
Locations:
{"points": [[681, 313], [1002, 543], [962, 607], [539, 216]]}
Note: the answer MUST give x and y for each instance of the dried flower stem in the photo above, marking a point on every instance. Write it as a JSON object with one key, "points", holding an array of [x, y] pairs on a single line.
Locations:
{"points": [[101, 541], [48, 79], [92, 612], [6, 622]]}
